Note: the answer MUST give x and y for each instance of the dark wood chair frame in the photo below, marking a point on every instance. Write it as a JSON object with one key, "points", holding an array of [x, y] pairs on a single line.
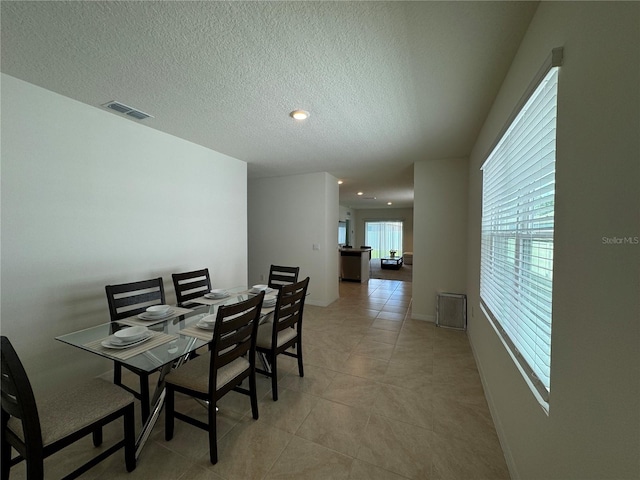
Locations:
{"points": [[18, 401], [156, 296], [288, 314], [280, 275], [234, 335], [184, 290]]}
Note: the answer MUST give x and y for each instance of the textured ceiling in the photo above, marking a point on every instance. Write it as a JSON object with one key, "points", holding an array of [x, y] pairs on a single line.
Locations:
{"points": [[387, 83]]}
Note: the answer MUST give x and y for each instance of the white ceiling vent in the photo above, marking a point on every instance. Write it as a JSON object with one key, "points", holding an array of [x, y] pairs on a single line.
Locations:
{"points": [[122, 108]]}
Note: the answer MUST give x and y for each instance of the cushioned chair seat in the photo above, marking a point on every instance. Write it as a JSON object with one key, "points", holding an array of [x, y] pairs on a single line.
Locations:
{"points": [[264, 335], [68, 411], [195, 375], [38, 428]]}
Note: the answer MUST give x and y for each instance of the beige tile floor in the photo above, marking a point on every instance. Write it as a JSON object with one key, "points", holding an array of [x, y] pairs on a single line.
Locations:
{"points": [[383, 397]]}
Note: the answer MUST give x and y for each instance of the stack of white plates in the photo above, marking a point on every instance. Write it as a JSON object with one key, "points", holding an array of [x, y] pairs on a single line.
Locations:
{"points": [[131, 334], [207, 322], [156, 312], [217, 293], [269, 300], [127, 337], [261, 288]]}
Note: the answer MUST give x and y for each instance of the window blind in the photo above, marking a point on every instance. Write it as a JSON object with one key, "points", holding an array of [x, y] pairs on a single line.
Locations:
{"points": [[516, 268]]}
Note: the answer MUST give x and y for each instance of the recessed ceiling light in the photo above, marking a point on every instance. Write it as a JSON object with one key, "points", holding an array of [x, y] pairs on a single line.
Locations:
{"points": [[360, 193], [299, 114], [389, 203], [340, 182]]}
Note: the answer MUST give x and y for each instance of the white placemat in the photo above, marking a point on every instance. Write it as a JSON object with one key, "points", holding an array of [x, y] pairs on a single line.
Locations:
{"points": [[207, 335], [196, 332], [133, 321], [157, 338]]}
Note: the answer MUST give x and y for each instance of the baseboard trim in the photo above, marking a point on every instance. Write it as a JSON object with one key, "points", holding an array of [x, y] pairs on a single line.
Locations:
{"points": [[426, 318], [319, 304], [511, 466]]}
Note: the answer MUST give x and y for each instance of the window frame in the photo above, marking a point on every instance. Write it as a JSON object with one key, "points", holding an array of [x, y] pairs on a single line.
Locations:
{"points": [[376, 251], [523, 268]]}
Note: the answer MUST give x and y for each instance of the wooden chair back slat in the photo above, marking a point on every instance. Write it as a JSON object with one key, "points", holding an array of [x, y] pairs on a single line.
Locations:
{"points": [[190, 285], [281, 275], [17, 397], [129, 299], [234, 335]]}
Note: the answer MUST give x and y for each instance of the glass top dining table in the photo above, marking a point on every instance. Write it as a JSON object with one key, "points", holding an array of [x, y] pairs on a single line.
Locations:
{"points": [[171, 340], [171, 337]]}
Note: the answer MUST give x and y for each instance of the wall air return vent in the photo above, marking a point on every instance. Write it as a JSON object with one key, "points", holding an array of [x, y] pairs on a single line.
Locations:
{"points": [[126, 110], [451, 311]]}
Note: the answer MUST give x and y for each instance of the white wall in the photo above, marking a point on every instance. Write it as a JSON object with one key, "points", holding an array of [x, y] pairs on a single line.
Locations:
{"points": [[344, 213], [90, 198], [287, 216], [593, 427], [440, 232]]}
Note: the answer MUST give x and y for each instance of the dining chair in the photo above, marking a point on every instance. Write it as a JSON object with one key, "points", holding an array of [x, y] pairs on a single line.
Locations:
{"points": [[284, 331], [126, 300], [38, 429], [190, 285], [281, 275], [230, 360]]}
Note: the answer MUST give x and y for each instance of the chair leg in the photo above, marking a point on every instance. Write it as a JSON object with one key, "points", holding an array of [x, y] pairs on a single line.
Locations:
{"points": [[5, 469], [5, 459], [274, 377], [144, 397], [97, 437], [253, 394], [168, 414], [300, 367], [117, 373], [35, 467], [5, 449], [213, 433], [130, 438]]}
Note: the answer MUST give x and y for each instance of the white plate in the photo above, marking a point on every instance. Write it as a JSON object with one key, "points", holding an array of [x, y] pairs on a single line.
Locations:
{"points": [[266, 291], [213, 296], [209, 319], [158, 314], [147, 316], [158, 309], [130, 334], [205, 325], [119, 346], [259, 288]]}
